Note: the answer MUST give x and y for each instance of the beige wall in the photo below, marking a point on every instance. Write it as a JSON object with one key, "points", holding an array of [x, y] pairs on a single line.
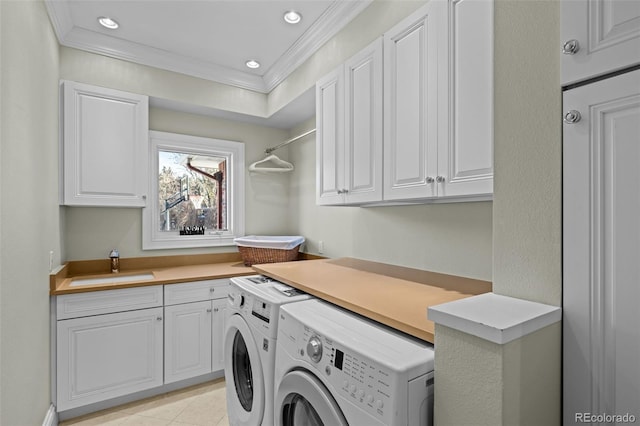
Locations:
{"points": [[90, 233], [450, 238], [90, 68], [29, 211], [528, 151]]}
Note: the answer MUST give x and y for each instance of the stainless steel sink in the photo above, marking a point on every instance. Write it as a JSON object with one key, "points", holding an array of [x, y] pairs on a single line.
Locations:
{"points": [[111, 279]]}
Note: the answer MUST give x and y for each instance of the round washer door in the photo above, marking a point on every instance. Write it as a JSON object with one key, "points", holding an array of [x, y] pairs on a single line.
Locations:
{"points": [[302, 399], [243, 374]]}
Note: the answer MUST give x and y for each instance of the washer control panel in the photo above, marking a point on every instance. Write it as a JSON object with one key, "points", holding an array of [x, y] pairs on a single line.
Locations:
{"points": [[358, 378]]}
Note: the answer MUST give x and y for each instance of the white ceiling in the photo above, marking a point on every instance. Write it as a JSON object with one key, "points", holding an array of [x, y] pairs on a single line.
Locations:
{"points": [[210, 39]]}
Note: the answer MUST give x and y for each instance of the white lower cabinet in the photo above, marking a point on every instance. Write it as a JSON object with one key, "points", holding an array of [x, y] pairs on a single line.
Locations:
{"points": [[105, 356], [187, 344], [114, 343], [194, 328]]}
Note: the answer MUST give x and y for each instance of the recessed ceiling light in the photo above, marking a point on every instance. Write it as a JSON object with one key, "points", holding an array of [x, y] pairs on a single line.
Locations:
{"points": [[292, 17], [252, 64], [108, 23]]}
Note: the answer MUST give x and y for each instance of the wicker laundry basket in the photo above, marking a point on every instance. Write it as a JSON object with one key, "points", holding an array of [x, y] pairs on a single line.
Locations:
{"points": [[268, 249]]}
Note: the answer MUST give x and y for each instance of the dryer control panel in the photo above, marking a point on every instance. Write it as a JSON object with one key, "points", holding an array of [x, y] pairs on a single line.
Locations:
{"points": [[360, 362]]}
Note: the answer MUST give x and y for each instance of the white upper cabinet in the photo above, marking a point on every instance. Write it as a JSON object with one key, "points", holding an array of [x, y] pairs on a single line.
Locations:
{"points": [[465, 134], [105, 137], [436, 122], [411, 105], [598, 36], [330, 138], [349, 130]]}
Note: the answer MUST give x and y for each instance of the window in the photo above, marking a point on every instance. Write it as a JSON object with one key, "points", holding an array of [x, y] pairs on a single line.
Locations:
{"points": [[196, 192]]}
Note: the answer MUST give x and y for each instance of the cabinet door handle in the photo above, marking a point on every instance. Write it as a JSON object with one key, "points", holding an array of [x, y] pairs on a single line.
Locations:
{"points": [[429, 179], [209, 310], [571, 47], [440, 179], [159, 318], [572, 117], [212, 289], [215, 310]]}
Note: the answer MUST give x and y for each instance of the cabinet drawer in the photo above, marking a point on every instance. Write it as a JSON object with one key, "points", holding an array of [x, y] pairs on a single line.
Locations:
{"points": [[108, 301], [175, 294]]}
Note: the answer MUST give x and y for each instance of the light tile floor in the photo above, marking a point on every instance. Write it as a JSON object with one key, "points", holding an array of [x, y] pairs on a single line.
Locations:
{"points": [[200, 405]]}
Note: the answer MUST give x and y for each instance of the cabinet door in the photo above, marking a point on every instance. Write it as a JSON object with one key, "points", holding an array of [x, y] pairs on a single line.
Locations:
{"points": [[105, 142], [187, 345], [601, 272], [607, 33], [465, 145], [219, 325], [411, 106], [330, 138], [105, 356], [363, 125]]}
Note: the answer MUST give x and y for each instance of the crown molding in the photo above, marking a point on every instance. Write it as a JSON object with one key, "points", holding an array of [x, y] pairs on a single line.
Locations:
{"points": [[336, 17], [339, 14]]}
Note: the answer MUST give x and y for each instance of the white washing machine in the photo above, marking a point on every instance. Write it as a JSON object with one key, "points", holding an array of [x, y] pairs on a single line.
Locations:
{"points": [[336, 368], [250, 346]]}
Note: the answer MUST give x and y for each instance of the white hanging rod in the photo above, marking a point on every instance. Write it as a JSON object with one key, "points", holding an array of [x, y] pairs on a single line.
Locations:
{"points": [[270, 150]]}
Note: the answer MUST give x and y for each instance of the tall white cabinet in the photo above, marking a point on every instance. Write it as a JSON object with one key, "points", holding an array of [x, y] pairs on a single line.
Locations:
{"points": [[105, 134], [598, 37], [601, 206], [601, 234]]}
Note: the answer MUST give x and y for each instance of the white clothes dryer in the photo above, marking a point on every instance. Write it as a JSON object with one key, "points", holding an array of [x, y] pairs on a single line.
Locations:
{"points": [[250, 345], [336, 368]]}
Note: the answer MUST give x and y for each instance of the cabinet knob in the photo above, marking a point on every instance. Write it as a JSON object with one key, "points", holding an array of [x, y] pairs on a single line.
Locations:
{"points": [[440, 179], [215, 309], [209, 310], [430, 179], [572, 117], [212, 289], [159, 318], [345, 191], [570, 47]]}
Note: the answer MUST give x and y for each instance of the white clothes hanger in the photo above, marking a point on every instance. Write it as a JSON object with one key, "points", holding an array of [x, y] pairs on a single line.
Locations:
{"points": [[277, 165]]}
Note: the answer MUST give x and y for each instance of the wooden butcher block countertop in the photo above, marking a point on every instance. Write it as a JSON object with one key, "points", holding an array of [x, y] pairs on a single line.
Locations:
{"points": [[392, 295]]}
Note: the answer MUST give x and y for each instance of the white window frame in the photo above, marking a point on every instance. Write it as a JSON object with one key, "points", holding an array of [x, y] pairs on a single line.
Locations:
{"points": [[152, 237]]}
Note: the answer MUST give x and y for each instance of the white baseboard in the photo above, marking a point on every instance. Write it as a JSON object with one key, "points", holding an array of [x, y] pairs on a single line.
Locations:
{"points": [[51, 418]]}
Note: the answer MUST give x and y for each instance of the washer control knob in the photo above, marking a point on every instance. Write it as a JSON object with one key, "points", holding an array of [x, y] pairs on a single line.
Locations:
{"points": [[369, 399], [314, 349], [379, 404]]}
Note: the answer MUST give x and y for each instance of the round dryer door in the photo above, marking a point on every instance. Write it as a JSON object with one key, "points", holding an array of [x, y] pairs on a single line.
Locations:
{"points": [[243, 374], [302, 399]]}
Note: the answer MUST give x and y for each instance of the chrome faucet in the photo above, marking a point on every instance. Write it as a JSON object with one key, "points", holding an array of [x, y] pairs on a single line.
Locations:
{"points": [[115, 261]]}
